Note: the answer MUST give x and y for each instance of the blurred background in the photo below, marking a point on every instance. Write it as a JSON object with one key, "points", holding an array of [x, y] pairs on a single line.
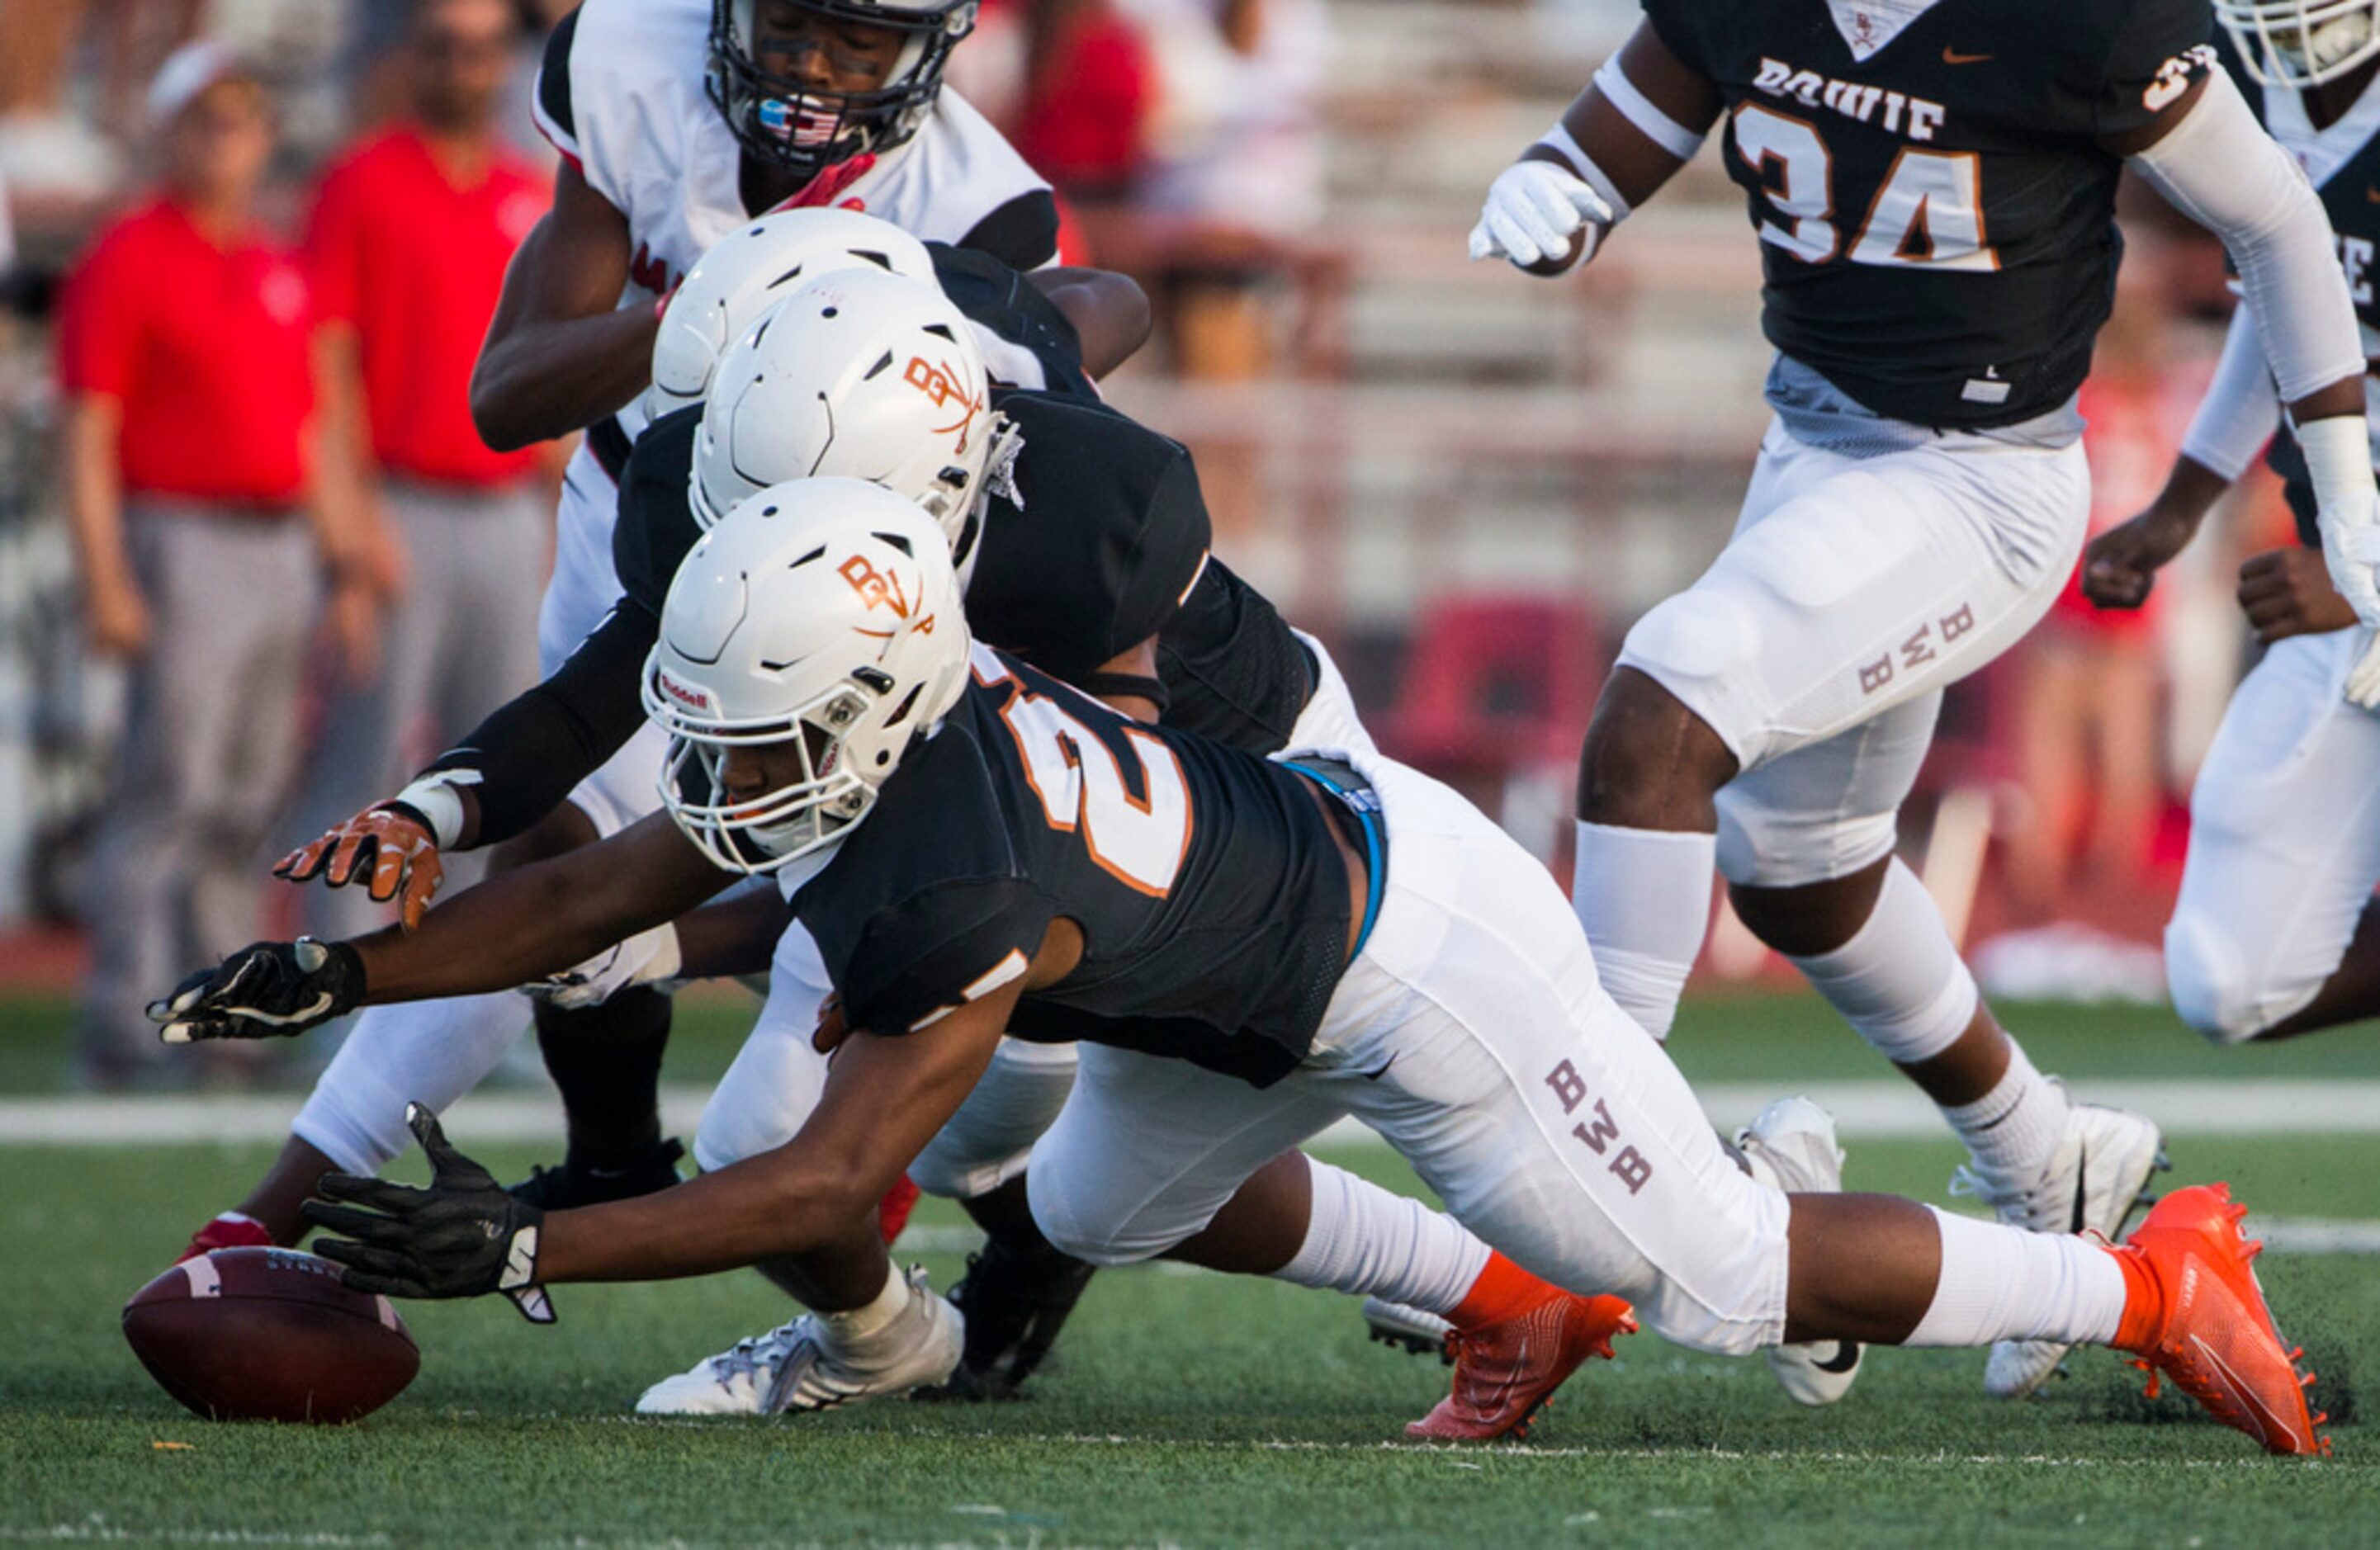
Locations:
{"points": [[1468, 481]]}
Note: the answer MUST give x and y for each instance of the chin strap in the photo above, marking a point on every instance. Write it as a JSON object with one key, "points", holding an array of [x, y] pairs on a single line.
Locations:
{"points": [[1104, 684]]}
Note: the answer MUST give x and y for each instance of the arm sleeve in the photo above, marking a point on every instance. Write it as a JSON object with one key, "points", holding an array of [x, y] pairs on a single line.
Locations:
{"points": [[1022, 234], [550, 105], [531, 751], [2239, 414], [2219, 168], [99, 322]]}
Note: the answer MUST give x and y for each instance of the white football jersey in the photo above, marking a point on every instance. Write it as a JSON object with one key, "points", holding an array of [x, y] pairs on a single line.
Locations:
{"points": [[621, 94]]}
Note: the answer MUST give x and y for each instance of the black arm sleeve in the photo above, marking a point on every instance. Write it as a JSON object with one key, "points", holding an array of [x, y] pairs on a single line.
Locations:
{"points": [[1022, 234], [532, 750]]}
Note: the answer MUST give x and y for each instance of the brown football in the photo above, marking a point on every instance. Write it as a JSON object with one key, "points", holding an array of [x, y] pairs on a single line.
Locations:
{"points": [[269, 1335]]}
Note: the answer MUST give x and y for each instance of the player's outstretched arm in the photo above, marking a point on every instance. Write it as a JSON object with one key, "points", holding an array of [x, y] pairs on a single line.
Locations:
{"points": [[2203, 150], [561, 352], [885, 1099], [1109, 312], [1639, 120], [525, 925], [2233, 422]]}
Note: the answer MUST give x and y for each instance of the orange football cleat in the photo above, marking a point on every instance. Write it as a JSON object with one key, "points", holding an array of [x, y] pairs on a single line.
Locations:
{"points": [[2194, 1313], [1506, 1372], [229, 1230]]}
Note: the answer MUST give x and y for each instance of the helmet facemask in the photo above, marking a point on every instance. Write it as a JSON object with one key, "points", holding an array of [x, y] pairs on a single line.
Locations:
{"points": [[805, 129], [2301, 44], [795, 818]]}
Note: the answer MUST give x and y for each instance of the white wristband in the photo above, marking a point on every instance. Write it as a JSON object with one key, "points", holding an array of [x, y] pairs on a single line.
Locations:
{"points": [[2338, 460], [1639, 110], [436, 798]]}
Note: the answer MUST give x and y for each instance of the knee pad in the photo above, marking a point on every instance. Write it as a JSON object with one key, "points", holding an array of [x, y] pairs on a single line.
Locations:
{"points": [[1761, 846], [2206, 974]]}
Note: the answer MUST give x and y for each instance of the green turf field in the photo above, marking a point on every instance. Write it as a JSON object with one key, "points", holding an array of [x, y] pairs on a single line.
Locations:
{"points": [[1188, 1410]]}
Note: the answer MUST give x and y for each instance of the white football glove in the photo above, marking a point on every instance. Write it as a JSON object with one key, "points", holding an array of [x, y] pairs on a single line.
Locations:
{"points": [[1534, 209], [2363, 678], [648, 958]]}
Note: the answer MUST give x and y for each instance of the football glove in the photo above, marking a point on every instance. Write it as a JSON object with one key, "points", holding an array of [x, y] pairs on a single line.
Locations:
{"points": [[264, 990], [1534, 209], [648, 958], [391, 848], [464, 1236]]}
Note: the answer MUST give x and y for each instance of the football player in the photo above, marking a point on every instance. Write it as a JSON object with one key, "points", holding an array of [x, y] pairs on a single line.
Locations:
{"points": [[1932, 187], [678, 122], [1251, 949], [2275, 932]]}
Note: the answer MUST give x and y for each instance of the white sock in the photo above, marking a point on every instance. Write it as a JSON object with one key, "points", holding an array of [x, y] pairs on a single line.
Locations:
{"points": [[429, 1052], [873, 1315], [2013, 1130], [1363, 1240], [1644, 897], [2002, 1284], [1898, 981]]}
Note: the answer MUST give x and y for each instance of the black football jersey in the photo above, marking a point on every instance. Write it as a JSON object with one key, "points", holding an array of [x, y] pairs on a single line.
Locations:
{"points": [[1208, 884], [1107, 549], [1935, 211], [2350, 195]]}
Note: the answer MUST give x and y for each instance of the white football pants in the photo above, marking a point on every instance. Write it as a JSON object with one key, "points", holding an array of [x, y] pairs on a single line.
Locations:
{"points": [[2284, 843], [1472, 1035]]}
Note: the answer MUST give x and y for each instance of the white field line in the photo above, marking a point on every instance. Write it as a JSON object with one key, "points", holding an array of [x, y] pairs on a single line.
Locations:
{"points": [[1869, 1111]]}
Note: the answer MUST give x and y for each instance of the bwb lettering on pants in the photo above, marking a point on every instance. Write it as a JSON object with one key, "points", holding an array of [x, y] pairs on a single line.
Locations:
{"points": [[1597, 1131], [1918, 650]]}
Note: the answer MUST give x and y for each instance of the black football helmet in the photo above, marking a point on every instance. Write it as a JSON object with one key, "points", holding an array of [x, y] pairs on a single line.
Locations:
{"points": [[787, 124]]}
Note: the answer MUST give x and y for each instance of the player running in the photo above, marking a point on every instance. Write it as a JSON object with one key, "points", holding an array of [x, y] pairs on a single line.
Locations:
{"points": [[1933, 189], [678, 121], [2274, 933], [1253, 948]]}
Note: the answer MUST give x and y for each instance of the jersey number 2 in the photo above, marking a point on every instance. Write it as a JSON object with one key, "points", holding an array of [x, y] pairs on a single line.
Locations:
{"points": [[1929, 210], [1080, 777]]}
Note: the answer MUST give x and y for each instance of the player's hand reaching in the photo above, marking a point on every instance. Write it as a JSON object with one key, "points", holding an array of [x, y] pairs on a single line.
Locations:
{"points": [[463, 1236], [264, 990], [1535, 216], [2120, 566], [389, 848]]}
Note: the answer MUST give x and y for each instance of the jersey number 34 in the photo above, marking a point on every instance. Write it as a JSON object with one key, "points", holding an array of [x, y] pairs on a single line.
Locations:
{"points": [[1929, 210], [1124, 791]]}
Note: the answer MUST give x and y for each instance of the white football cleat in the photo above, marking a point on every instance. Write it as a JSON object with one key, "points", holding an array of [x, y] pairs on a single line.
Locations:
{"points": [[1791, 1147], [808, 1365], [2092, 1181], [1398, 1323]]}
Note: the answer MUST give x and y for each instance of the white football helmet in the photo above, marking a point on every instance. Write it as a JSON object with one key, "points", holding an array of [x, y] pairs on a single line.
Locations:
{"points": [[862, 374], [759, 262], [822, 618], [2299, 43]]}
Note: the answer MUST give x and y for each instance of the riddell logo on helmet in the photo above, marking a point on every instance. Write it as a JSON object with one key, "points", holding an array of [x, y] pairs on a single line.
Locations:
{"points": [[941, 384], [687, 695]]}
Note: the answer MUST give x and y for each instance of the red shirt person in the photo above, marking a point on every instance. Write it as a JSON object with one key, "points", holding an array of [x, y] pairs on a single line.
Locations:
{"points": [[412, 231], [192, 469]]}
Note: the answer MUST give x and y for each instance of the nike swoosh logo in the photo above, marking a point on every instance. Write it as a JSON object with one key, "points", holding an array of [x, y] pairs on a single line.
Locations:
{"points": [[1846, 1357], [1376, 1075], [1952, 57], [2268, 1425]]}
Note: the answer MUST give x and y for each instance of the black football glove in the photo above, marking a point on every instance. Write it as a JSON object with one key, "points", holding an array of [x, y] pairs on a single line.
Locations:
{"points": [[264, 990], [461, 1237]]}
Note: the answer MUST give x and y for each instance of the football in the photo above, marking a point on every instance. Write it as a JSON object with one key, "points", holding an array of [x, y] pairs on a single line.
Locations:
{"points": [[269, 1335]]}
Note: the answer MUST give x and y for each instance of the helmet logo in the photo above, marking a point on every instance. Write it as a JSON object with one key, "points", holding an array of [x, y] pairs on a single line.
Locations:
{"points": [[687, 695], [941, 385], [876, 589]]}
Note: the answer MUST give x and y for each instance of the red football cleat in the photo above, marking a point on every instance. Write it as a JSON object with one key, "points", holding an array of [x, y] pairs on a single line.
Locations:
{"points": [[1505, 1373], [893, 1211], [229, 1230], [2194, 1313]]}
